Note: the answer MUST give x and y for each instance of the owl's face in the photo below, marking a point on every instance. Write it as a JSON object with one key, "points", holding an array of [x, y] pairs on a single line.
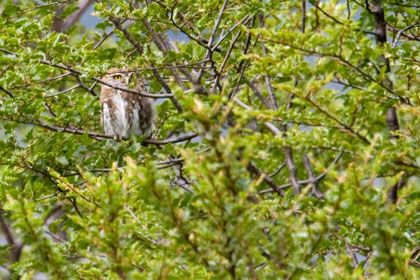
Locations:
{"points": [[118, 77]]}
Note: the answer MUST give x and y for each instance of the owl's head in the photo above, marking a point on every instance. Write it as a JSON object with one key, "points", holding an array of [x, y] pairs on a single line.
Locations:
{"points": [[118, 77]]}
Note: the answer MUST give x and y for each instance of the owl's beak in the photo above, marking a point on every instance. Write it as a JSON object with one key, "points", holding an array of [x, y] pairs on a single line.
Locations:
{"points": [[127, 80]]}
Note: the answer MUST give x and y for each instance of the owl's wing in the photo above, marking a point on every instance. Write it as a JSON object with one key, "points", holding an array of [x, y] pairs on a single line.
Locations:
{"points": [[147, 113]]}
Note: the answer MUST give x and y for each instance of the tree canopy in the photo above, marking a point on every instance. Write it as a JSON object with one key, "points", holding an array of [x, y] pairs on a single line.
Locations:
{"points": [[287, 144]]}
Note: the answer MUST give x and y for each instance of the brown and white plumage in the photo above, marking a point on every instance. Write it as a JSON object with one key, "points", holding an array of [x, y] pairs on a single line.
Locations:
{"points": [[123, 113]]}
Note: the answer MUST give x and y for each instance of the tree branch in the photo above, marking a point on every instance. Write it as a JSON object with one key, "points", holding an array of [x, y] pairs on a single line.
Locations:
{"points": [[100, 136], [73, 18], [314, 183], [7, 92], [292, 170], [118, 24], [274, 187], [308, 181], [16, 249]]}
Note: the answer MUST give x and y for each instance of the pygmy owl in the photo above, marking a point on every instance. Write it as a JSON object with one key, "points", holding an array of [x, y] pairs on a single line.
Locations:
{"points": [[125, 113]]}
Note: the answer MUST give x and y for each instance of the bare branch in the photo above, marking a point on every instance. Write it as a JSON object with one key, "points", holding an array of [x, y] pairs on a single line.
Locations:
{"points": [[244, 20], [162, 43], [403, 34], [257, 93], [73, 18], [292, 170], [267, 76], [287, 150], [303, 4], [78, 73], [55, 77], [274, 187], [283, 165], [322, 11], [16, 248], [220, 71], [141, 93], [314, 183], [47, 197], [7, 51], [209, 52], [49, 109], [118, 24], [106, 36], [216, 26], [5, 228], [317, 179], [167, 89], [99, 136], [64, 91], [394, 44], [7, 92]]}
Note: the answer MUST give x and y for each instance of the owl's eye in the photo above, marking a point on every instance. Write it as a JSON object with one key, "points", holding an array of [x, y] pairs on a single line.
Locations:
{"points": [[117, 77]]}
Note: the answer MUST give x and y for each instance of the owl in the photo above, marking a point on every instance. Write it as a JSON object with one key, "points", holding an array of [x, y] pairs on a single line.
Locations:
{"points": [[124, 113]]}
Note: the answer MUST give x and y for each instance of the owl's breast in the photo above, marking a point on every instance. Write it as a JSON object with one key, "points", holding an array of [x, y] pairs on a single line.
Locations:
{"points": [[121, 115]]}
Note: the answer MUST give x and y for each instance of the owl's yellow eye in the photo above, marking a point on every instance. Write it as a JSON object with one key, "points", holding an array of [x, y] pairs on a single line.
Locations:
{"points": [[117, 77]]}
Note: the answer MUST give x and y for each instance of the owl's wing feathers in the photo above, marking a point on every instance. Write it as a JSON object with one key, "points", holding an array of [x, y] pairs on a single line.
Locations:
{"points": [[145, 109], [147, 115]]}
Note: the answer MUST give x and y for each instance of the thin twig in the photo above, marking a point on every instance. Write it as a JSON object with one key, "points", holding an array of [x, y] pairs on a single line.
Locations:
{"points": [[74, 17], [292, 170], [64, 91], [118, 24], [55, 77], [258, 94], [244, 20], [100, 136], [78, 73], [7, 92], [317, 179], [303, 15], [209, 52], [7, 51], [394, 44], [274, 187], [314, 183], [46, 197], [283, 165], [168, 90], [141, 93], [220, 71], [106, 36]]}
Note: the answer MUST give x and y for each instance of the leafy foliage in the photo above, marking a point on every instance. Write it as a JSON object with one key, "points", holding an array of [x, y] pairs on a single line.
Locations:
{"points": [[287, 143]]}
